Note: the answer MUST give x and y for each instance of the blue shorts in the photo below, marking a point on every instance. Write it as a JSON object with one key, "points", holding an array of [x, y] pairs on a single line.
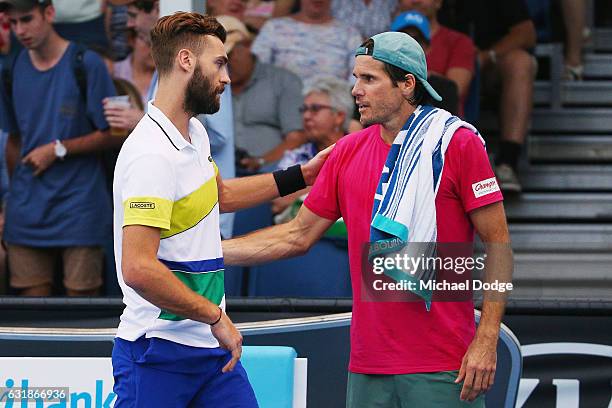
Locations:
{"points": [[160, 373]]}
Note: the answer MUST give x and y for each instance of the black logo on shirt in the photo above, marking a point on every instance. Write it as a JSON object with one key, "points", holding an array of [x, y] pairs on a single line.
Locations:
{"points": [[143, 205]]}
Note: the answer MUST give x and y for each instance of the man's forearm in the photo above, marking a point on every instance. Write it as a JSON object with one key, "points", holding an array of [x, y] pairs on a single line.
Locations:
{"points": [[269, 244], [91, 143], [245, 192], [161, 287], [236, 194], [498, 268]]}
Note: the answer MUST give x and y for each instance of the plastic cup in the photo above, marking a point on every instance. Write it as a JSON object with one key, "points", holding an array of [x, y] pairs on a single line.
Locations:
{"points": [[121, 102]]}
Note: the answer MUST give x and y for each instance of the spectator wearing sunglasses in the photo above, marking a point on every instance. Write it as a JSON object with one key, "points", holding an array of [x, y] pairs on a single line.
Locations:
{"points": [[326, 116]]}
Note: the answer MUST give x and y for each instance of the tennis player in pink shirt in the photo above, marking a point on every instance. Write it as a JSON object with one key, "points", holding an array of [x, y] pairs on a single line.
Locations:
{"points": [[402, 355]]}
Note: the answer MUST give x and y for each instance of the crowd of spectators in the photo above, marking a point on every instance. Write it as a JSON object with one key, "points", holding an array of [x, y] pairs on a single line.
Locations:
{"points": [[291, 69]]}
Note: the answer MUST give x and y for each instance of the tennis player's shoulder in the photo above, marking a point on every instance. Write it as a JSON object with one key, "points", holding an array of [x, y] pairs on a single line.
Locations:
{"points": [[357, 138], [145, 138], [465, 139]]}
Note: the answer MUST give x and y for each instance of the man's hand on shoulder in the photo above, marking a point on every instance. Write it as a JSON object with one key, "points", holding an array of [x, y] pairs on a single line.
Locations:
{"points": [[311, 169], [478, 367]]}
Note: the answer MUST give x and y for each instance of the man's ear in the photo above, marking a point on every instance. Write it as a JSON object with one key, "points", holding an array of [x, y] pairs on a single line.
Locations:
{"points": [[186, 60], [49, 13], [407, 86]]}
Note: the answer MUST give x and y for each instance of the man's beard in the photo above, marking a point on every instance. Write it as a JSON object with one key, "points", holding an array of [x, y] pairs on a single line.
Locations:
{"points": [[200, 96]]}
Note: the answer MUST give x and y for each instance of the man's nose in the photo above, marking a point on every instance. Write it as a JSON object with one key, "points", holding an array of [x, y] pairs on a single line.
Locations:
{"points": [[18, 28], [225, 79]]}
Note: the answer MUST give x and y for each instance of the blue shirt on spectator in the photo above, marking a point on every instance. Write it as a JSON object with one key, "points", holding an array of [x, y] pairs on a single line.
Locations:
{"points": [[220, 129], [67, 205]]}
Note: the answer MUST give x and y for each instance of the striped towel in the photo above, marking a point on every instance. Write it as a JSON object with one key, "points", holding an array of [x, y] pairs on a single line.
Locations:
{"points": [[404, 206]]}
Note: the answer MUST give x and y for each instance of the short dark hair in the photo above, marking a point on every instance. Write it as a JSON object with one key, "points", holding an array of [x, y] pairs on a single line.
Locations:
{"points": [[181, 30], [145, 5], [396, 74], [420, 95]]}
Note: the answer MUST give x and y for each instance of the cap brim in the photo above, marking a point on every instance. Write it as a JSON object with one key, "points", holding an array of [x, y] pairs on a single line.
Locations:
{"points": [[431, 91], [10, 5]]}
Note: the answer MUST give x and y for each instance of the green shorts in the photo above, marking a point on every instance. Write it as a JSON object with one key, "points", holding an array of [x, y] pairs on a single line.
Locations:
{"points": [[429, 390]]}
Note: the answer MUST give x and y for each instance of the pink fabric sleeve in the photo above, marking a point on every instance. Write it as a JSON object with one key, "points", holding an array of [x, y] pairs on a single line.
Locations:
{"points": [[474, 177], [323, 198]]}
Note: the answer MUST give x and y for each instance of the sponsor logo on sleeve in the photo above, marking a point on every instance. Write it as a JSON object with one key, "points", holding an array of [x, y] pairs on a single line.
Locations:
{"points": [[141, 205], [484, 187]]}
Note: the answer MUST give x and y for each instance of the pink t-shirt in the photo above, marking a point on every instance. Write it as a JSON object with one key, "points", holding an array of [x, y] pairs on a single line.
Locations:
{"points": [[451, 49], [402, 337]]}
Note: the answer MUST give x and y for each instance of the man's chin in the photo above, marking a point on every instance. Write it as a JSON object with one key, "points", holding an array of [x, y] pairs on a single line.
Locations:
{"points": [[365, 122], [210, 110]]}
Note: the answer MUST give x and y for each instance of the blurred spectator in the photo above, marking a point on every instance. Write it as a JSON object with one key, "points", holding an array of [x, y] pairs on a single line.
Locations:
{"points": [[416, 25], [57, 205], [142, 16], [253, 13], [260, 8], [234, 8], [116, 28], [266, 100], [133, 70], [5, 36], [326, 114], [309, 43], [370, 17], [283, 8], [107, 57], [574, 18], [137, 68], [450, 54], [120, 130], [220, 129], [505, 37], [5, 46], [81, 21]]}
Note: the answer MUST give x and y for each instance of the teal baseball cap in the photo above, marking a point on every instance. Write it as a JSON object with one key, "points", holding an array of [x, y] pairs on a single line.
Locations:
{"points": [[402, 51]]}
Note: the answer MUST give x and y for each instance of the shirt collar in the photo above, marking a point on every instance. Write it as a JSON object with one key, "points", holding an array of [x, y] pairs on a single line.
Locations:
{"points": [[171, 132]]}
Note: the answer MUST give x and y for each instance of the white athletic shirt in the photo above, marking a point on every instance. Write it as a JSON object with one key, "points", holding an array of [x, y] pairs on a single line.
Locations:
{"points": [[163, 181]]}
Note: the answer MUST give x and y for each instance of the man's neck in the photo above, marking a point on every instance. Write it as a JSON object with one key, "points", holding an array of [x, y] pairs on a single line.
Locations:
{"points": [[49, 52], [434, 26], [390, 129], [171, 103]]}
